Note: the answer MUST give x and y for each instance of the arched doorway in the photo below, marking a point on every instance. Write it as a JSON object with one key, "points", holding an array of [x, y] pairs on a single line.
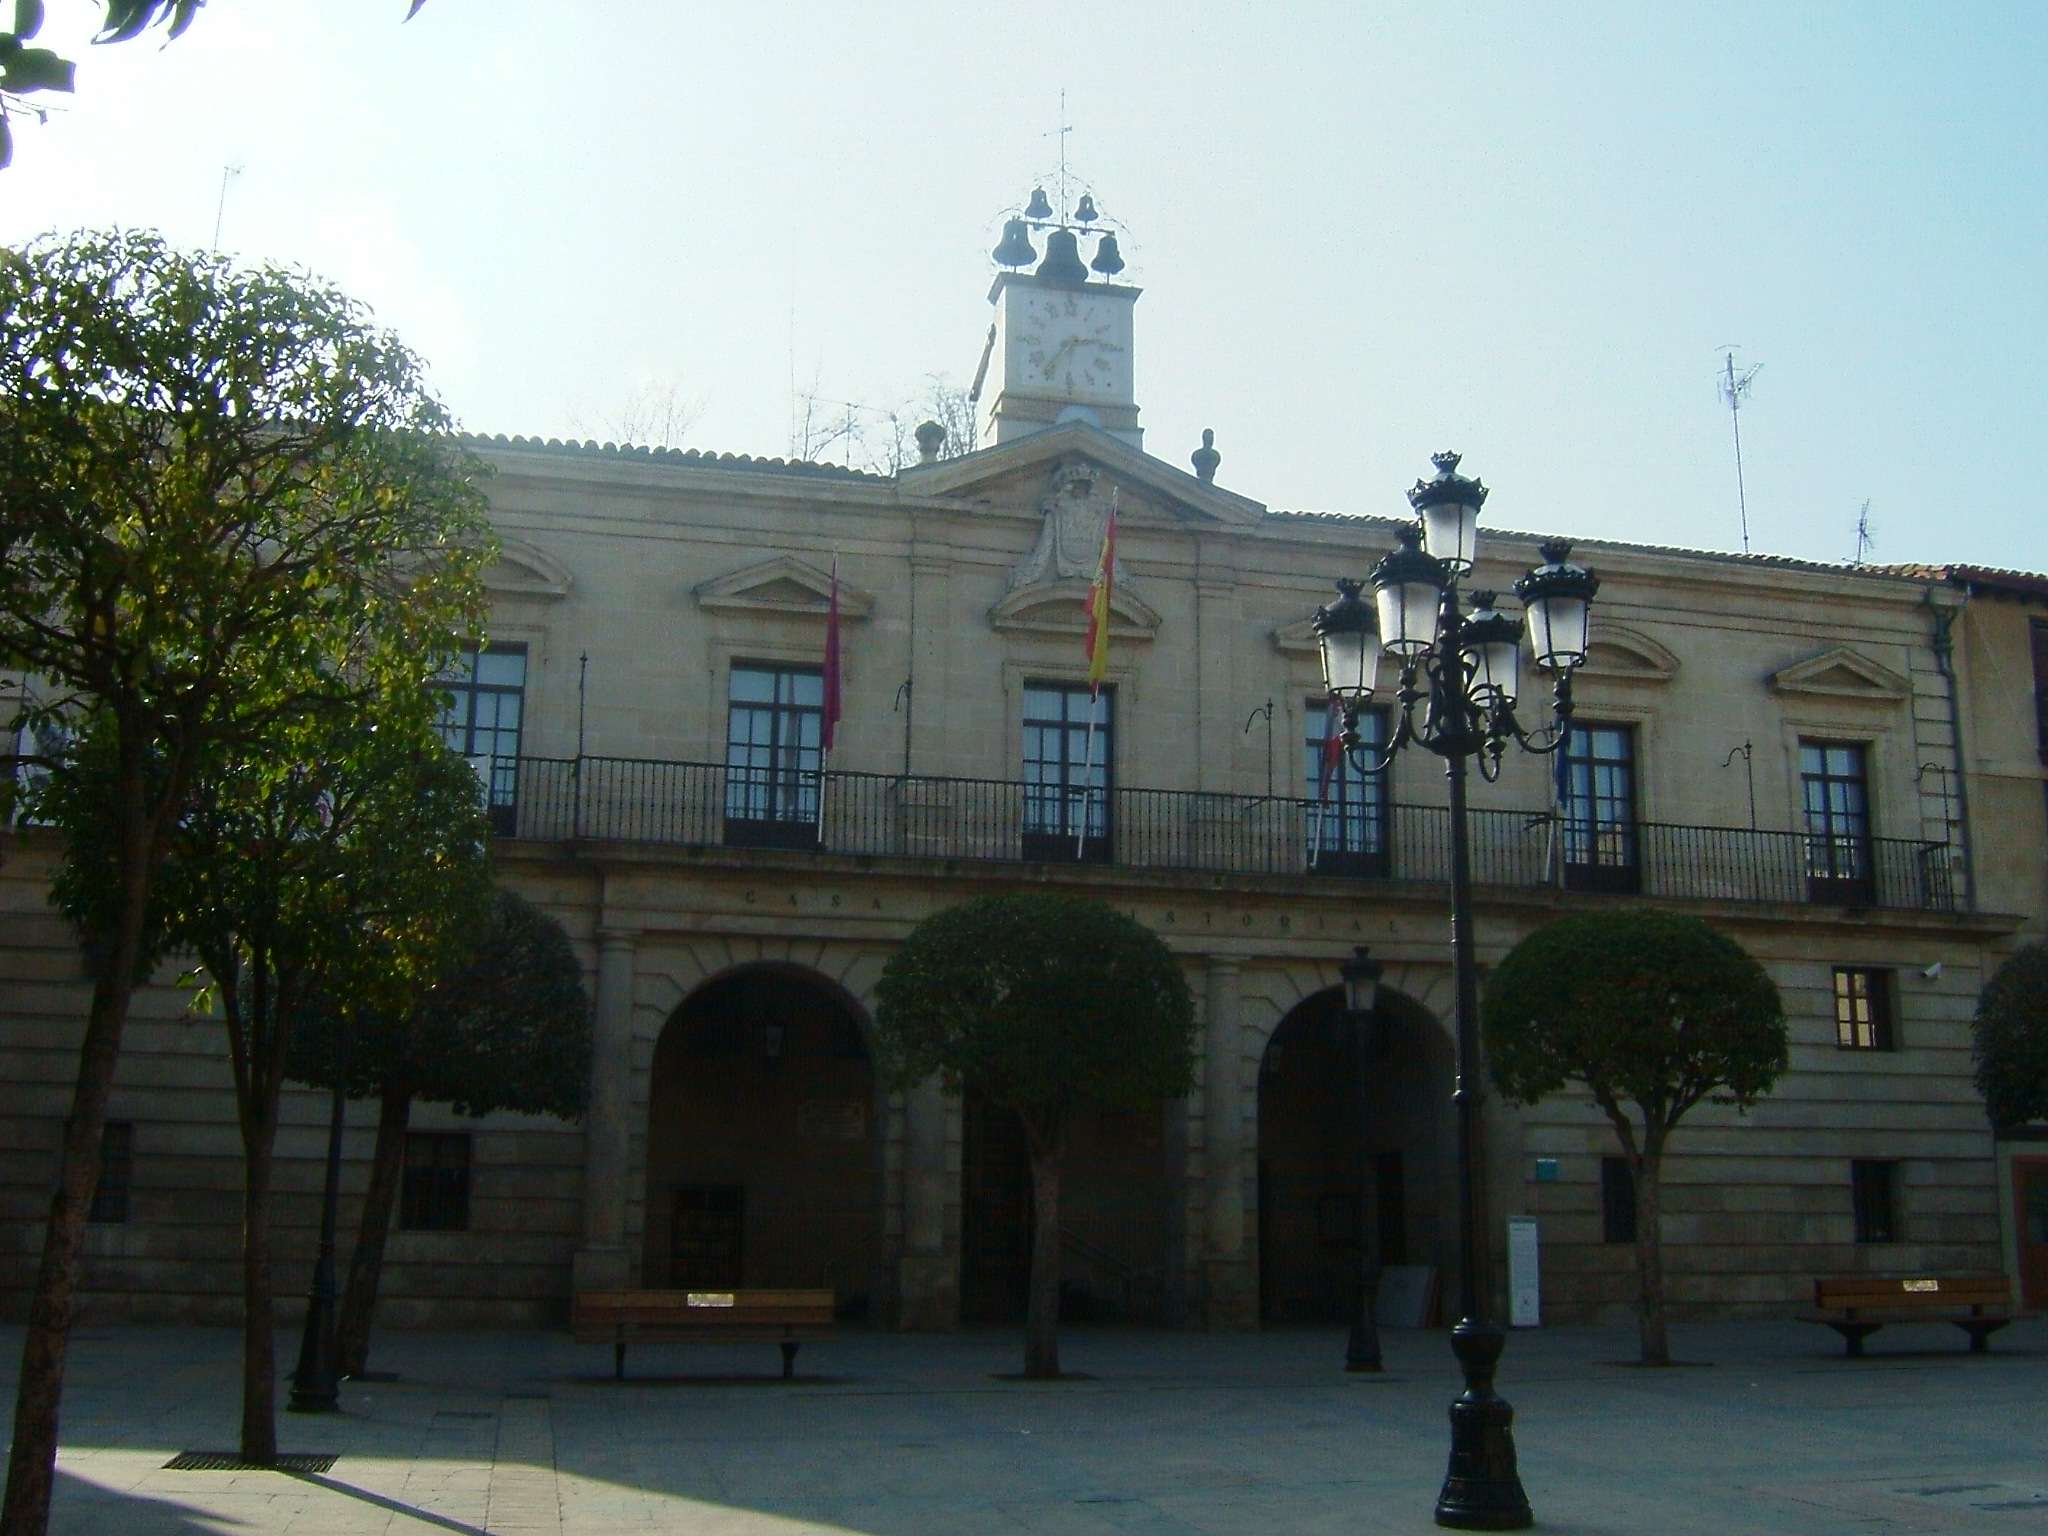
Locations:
{"points": [[761, 1140], [1310, 1133]]}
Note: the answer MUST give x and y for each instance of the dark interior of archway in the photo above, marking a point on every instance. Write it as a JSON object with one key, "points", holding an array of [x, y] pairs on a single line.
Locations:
{"points": [[1114, 1261], [761, 1161], [1310, 1173]]}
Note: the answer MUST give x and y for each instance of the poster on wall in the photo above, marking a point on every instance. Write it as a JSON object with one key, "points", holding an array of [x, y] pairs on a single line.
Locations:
{"points": [[1524, 1290]]}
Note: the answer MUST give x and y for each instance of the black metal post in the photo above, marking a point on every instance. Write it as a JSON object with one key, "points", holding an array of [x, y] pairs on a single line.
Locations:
{"points": [[315, 1381], [1362, 1349], [1482, 1490]]}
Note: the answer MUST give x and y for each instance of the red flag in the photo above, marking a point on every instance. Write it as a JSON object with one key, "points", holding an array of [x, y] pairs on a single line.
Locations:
{"points": [[1333, 749], [831, 721]]}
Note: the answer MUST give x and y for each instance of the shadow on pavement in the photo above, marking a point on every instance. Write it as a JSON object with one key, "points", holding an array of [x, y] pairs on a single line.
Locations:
{"points": [[394, 1506]]}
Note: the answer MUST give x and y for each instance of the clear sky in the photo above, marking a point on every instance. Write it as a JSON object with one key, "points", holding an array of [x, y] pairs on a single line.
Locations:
{"points": [[1365, 232]]}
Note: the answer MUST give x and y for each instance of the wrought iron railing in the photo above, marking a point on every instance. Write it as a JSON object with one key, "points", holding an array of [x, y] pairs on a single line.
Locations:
{"points": [[683, 804]]}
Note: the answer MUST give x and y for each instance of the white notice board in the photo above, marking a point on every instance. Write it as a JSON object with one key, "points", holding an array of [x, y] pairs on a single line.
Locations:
{"points": [[1525, 1309]]}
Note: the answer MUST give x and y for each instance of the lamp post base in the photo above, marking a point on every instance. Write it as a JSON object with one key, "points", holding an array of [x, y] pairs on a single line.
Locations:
{"points": [[315, 1382], [1482, 1491]]}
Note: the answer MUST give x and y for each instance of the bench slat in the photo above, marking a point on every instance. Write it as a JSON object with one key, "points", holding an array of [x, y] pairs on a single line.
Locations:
{"points": [[1934, 1291], [709, 1313]]}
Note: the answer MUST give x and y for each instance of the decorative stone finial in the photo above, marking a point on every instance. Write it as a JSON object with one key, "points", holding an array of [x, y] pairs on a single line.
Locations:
{"points": [[931, 437]]}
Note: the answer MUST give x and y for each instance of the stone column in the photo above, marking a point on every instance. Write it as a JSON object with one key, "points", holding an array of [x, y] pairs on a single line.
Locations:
{"points": [[1231, 1278], [929, 1277], [602, 1262]]}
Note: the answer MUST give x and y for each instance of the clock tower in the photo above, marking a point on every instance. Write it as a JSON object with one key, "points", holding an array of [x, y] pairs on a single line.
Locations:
{"points": [[1061, 347]]}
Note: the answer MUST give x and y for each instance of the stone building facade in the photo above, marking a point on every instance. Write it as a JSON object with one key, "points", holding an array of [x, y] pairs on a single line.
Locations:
{"points": [[645, 715]]}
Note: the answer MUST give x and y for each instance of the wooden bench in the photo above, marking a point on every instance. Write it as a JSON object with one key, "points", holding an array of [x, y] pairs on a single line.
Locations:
{"points": [[619, 1318], [1856, 1306]]}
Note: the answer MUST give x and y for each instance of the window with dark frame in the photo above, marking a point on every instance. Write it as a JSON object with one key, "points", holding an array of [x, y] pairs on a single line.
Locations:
{"points": [[483, 718], [117, 1170], [2038, 629], [434, 1193], [1874, 1192], [1599, 781], [1863, 1009], [1349, 808], [1067, 773], [1617, 1201], [774, 733], [1836, 791]]}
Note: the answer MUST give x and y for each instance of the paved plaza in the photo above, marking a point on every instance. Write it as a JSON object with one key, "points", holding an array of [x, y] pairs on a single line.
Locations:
{"points": [[899, 1435]]}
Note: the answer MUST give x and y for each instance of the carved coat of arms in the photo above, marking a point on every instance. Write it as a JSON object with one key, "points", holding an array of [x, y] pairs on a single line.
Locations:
{"points": [[1076, 510]]}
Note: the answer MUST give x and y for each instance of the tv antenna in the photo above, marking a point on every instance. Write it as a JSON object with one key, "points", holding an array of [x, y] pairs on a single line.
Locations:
{"points": [[220, 209], [1735, 390], [1864, 542]]}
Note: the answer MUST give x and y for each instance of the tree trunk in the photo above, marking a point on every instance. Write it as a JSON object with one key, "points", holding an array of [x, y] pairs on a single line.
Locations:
{"points": [[32, 1462], [259, 1327], [1650, 1254], [1042, 1318], [366, 1264], [32, 1467]]}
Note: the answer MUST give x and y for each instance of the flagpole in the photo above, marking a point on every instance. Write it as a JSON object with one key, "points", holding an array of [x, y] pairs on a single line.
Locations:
{"points": [[1087, 773]]}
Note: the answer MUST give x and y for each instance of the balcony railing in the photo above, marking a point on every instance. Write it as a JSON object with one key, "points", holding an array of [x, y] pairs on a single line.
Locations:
{"points": [[708, 805]]}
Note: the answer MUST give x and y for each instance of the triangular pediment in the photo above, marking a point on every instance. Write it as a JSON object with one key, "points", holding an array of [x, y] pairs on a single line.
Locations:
{"points": [[1061, 608], [784, 585], [526, 570], [1844, 674], [1025, 460], [1627, 656], [1298, 638]]}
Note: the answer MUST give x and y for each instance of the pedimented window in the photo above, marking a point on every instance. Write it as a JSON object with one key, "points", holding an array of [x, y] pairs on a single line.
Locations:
{"points": [[527, 570], [1061, 608], [785, 585], [1843, 674]]}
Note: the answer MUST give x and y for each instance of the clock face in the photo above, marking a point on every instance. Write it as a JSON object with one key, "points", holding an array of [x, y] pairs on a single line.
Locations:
{"points": [[1068, 344]]}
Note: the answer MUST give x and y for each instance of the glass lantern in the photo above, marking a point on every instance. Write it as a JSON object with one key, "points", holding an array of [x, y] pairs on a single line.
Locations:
{"points": [[1449, 508], [1408, 586], [1558, 597], [1347, 636], [1492, 644]]}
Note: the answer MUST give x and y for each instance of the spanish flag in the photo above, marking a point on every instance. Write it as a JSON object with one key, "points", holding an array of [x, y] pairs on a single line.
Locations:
{"points": [[1098, 605]]}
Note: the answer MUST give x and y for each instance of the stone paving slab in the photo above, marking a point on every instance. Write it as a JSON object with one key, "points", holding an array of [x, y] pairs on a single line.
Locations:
{"points": [[1176, 1435]]}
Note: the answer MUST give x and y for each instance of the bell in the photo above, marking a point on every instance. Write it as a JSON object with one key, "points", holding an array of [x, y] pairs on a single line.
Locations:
{"points": [[1108, 259], [1016, 249], [1040, 208], [1062, 262], [1084, 211]]}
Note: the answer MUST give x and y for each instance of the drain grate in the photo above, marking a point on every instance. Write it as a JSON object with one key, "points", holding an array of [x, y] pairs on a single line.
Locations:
{"points": [[314, 1462]]}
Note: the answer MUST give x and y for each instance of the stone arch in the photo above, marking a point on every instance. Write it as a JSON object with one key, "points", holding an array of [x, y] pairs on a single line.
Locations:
{"points": [[1331, 1168], [764, 1134]]}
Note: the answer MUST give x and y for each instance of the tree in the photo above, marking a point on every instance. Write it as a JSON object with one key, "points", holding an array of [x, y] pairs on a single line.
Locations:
{"points": [[1648, 1010], [1047, 1005], [334, 860], [2010, 1039], [226, 500], [25, 70], [503, 1023]]}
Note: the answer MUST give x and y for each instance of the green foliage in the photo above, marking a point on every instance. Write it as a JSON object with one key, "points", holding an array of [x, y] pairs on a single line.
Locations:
{"points": [[224, 494], [24, 70], [2010, 1037], [1641, 1006], [339, 856], [504, 1023], [1045, 1003]]}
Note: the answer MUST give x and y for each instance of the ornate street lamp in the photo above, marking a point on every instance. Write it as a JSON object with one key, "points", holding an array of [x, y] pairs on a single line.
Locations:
{"points": [[1361, 975], [1460, 680]]}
